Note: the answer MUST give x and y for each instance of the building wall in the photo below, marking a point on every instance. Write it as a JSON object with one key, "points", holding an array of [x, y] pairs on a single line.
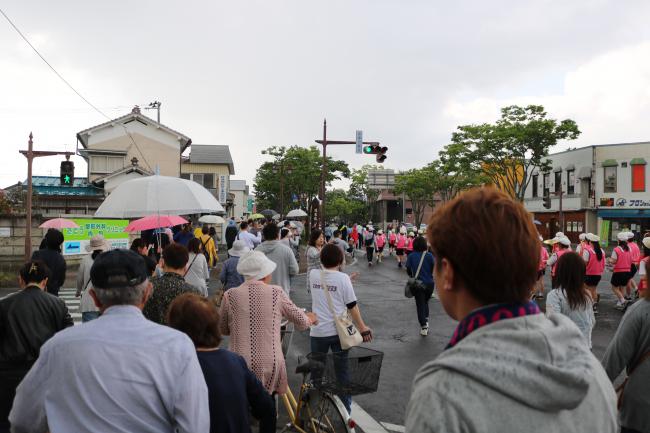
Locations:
{"points": [[623, 198], [240, 204], [155, 148], [221, 172], [115, 181]]}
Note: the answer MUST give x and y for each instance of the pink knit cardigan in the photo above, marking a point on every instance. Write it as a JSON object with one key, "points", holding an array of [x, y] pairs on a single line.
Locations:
{"points": [[251, 315]]}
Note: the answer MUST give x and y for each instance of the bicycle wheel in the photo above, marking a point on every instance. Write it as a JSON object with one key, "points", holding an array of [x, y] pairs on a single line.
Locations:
{"points": [[322, 414]]}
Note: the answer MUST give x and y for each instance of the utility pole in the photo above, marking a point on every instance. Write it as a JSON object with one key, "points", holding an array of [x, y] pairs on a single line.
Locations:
{"points": [[323, 174], [30, 154]]}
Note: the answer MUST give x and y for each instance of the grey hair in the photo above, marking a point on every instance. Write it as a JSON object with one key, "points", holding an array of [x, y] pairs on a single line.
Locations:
{"points": [[129, 295]]}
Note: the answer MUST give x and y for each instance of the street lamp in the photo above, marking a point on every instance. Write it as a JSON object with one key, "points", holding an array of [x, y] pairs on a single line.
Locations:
{"points": [[281, 169]]}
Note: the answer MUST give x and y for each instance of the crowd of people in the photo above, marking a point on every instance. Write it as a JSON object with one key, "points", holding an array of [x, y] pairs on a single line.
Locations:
{"points": [[148, 355]]}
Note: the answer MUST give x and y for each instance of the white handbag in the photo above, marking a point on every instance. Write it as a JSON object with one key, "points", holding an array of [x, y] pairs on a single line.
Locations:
{"points": [[349, 335]]}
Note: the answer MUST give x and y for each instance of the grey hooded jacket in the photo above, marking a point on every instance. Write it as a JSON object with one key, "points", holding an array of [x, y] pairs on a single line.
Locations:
{"points": [[524, 374], [283, 257]]}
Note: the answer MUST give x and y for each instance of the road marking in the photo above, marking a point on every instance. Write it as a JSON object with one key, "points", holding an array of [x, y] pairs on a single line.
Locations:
{"points": [[365, 421], [394, 427]]}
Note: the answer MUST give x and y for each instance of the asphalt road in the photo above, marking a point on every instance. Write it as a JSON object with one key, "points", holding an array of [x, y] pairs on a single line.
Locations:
{"points": [[394, 322]]}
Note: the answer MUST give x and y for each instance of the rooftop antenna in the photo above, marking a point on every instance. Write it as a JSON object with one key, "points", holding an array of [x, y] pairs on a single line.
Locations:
{"points": [[155, 105]]}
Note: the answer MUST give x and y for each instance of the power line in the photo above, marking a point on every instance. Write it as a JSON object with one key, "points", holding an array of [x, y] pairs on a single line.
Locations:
{"points": [[70, 85]]}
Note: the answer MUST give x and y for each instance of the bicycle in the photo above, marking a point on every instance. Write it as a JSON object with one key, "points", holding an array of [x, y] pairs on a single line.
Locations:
{"points": [[318, 408]]}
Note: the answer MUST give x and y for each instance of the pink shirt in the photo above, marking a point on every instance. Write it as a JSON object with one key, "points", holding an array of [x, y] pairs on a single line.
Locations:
{"points": [[635, 251], [559, 253], [594, 266], [251, 315], [380, 241], [543, 258], [392, 238], [409, 244], [623, 260], [401, 241]]}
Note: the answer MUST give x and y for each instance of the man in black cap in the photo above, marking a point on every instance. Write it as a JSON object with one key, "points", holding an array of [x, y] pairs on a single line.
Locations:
{"points": [[120, 372]]}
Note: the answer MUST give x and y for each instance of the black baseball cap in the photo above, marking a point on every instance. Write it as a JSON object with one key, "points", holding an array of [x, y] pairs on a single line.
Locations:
{"points": [[118, 268]]}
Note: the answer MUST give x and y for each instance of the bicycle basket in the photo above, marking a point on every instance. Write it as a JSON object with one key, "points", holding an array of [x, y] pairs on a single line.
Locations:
{"points": [[352, 372]]}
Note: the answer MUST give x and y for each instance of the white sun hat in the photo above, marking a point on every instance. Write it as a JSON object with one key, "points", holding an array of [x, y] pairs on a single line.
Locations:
{"points": [[622, 236], [592, 237], [254, 265], [646, 242], [239, 248], [564, 241], [582, 236]]}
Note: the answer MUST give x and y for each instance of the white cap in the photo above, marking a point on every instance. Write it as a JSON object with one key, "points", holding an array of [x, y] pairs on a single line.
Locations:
{"points": [[559, 235], [622, 236], [239, 248], [402, 230], [630, 235], [380, 232], [592, 237], [582, 236], [564, 241], [254, 265], [411, 234], [646, 242]]}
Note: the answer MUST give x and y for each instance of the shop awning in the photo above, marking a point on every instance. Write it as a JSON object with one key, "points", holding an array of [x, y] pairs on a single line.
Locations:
{"points": [[609, 163], [624, 213], [556, 169], [584, 173], [638, 161]]}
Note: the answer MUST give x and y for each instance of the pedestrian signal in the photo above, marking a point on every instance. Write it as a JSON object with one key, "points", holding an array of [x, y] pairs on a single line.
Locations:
{"points": [[67, 173]]}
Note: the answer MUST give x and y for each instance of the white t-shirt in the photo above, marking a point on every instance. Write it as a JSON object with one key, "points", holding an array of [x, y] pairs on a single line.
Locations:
{"points": [[342, 292]]}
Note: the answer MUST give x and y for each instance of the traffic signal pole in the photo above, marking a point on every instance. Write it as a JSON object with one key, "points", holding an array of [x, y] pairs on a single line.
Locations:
{"points": [[30, 154], [323, 174]]}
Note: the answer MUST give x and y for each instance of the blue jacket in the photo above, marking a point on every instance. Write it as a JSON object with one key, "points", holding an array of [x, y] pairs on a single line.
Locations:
{"points": [[426, 272]]}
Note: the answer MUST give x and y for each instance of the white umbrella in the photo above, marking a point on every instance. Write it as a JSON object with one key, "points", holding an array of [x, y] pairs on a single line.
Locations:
{"points": [[211, 219], [296, 213], [158, 195]]}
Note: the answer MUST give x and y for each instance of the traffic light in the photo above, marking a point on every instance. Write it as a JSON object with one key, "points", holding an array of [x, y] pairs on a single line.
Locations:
{"points": [[377, 150], [547, 200], [67, 173]]}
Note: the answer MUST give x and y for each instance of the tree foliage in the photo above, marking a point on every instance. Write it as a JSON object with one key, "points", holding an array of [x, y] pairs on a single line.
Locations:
{"points": [[300, 169], [361, 191], [342, 207], [504, 153], [420, 185]]}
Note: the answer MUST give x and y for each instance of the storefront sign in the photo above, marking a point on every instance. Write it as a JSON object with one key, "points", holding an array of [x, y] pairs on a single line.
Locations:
{"points": [[222, 189], [623, 202], [76, 240], [604, 232]]}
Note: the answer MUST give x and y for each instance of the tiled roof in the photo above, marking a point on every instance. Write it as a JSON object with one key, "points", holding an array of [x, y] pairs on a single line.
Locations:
{"points": [[211, 154], [51, 185]]}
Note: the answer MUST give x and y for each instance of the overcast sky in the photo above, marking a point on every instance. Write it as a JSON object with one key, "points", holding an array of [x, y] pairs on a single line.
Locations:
{"points": [[250, 74]]}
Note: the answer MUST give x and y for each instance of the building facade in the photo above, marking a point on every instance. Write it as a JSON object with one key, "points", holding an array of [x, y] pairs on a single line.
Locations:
{"points": [[211, 166], [240, 192], [111, 147], [599, 189]]}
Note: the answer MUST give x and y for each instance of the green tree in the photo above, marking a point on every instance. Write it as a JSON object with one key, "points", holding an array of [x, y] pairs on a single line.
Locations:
{"points": [[420, 186], [506, 153], [300, 175], [360, 190], [342, 207]]}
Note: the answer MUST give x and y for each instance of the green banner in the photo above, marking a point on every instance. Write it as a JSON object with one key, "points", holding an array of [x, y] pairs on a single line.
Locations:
{"points": [[76, 240], [604, 232]]}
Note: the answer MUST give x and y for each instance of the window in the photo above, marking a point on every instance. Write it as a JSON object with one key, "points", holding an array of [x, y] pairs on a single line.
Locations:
{"points": [[558, 181], [545, 186], [185, 176], [106, 164], [570, 181], [638, 178], [198, 178], [204, 179], [610, 179], [535, 180]]}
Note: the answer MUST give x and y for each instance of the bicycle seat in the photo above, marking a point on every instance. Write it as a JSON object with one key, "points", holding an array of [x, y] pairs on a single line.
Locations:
{"points": [[308, 367]]}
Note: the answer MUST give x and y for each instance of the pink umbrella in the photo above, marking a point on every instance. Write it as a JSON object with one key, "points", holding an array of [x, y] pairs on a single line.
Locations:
{"points": [[154, 222], [59, 223]]}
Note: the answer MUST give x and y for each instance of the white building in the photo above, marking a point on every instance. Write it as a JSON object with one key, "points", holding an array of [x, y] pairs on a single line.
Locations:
{"points": [[240, 191], [603, 191]]}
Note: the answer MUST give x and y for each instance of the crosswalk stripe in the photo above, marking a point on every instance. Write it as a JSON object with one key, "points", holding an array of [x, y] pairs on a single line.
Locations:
{"points": [[72, 302]]}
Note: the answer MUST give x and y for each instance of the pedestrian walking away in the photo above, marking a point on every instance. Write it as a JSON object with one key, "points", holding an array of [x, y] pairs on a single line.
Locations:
{"points": [[234, 391], [324, 336], [251, 240], [369, 243], [89, 310], [561, 246], [231, 232], [419, 265], [380, 243], [644, 266], [505, 356], [400, 246], [50, 254], [170, 285], [571, 298], [229, 276], [621, 258], [251, 315], [594, 257], [28, 318], [281, 255], [197, 273], [631, 289], [119, 372]]}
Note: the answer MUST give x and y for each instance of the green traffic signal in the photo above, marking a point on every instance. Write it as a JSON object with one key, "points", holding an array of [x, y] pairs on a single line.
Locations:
{"points": [[367, 149], [66, 179]]}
